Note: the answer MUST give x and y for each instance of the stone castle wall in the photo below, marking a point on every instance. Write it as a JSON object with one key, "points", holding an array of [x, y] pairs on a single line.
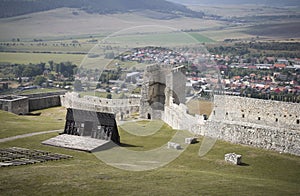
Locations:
{"points": [[260, 123], [266, 124], [257, 111], [267, 137], [178, 118], [14, 104], [43, 102], [122, 108], [160, 83]]}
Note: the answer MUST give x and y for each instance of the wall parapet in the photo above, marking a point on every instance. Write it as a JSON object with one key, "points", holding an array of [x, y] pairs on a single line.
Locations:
{"points": [[122, 108], [273, 138]]}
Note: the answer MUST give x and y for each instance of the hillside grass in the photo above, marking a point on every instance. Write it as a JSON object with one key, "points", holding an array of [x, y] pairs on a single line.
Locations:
{"points": [[263, 172], [50, 119]]}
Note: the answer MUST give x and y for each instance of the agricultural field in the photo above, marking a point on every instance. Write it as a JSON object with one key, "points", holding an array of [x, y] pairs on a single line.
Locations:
{"points": [[262, 173], [26, 58]]}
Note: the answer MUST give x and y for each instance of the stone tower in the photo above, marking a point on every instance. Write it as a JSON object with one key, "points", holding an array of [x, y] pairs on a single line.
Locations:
{"points": [[162, 86]]}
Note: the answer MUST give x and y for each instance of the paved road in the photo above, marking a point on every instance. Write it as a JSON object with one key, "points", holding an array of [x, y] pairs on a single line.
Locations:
{"points": [[27, 135]]}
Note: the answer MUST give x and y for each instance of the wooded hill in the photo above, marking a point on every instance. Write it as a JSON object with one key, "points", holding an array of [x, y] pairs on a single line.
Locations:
{"points": [[241, 2], [11, 8]]}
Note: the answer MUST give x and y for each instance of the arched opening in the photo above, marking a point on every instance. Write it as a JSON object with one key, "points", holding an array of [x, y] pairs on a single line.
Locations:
{"points": [[149, 116]]}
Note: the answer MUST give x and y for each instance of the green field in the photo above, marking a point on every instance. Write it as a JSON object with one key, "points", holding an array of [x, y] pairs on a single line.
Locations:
{"points": [[50, 119], [26, 58], [263, 172]]}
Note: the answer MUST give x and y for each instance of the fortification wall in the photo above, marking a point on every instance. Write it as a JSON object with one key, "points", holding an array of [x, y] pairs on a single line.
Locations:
{"points": [[122, 108], [273, 138], [257, 111], [49, 94], [43, 102], [260, 123], [15, 104], [266, 124], [178, 118]]}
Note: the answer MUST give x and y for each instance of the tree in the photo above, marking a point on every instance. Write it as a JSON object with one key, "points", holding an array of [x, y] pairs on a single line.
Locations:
{"points": [[109, 96], [51, 63], [39, 80]]}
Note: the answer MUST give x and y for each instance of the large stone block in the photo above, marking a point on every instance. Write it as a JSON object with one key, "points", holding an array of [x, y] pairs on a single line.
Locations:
{"points": [[233, 158]]}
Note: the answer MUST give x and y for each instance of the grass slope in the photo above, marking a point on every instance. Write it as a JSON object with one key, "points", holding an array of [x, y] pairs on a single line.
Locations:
{"points": [[50, 119], [264, 172]]}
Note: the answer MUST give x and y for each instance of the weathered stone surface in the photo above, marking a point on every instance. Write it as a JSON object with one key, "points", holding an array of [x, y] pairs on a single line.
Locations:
{"points": [[267, 137], [122, 108], [190, 140], [174, 145], [14, 104], [76, 142], [233, 158], [257, 111]]}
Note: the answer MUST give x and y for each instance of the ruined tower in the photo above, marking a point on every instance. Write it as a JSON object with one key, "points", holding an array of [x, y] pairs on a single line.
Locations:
{"points": [[163, 85]]}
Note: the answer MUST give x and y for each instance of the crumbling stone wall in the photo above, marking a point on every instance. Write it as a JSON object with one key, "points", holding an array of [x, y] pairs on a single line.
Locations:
{"points": [[122, 108], [178, 118], [15, 104], [257, 111], [43, 102], [265, 124], [274, 138], [161, 83]]}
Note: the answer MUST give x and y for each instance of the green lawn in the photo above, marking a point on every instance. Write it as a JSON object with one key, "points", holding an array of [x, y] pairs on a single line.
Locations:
{"points": [[264, 172], [50, 119]]}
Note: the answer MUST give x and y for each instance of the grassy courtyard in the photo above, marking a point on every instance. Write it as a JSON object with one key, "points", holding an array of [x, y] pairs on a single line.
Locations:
{"points": [[263, 172]]}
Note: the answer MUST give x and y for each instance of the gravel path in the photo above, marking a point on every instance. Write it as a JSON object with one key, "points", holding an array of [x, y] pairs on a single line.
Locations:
{"points": [[27, 135]]}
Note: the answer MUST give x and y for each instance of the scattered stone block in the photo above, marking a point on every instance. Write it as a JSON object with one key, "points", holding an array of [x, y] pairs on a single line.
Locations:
{"points": [[190, 140], [174, 145], [233, 158]]}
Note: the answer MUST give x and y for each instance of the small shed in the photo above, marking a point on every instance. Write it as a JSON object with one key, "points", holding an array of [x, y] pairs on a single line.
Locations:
{"points": [[92, 124]]}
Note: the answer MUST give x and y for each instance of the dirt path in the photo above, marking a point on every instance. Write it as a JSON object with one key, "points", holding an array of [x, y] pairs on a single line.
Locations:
{"points": [[27, 135]]}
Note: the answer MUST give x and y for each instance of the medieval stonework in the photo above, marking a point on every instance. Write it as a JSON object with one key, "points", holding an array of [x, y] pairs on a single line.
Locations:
{"points": [[261, 123], [266, 124], [163, 85], [121, 108], [15, 104]]}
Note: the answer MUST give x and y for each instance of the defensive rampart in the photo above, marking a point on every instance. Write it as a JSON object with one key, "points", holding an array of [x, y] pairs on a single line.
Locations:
{"points": [[122, 108], [261, 123]]}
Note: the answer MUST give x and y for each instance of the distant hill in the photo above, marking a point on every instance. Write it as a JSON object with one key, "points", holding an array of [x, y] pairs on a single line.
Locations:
{"points": [[11, 8], [241, 2]]}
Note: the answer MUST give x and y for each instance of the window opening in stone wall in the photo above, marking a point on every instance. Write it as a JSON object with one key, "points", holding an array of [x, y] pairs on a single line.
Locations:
{"points": [[284, 116], [276, 120], [258, 118], [226, 113], [298, 121], [214, 112], [243, 115]]}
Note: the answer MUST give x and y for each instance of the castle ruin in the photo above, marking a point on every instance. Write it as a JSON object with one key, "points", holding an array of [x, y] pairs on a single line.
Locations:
{"points": [[261, 123]]}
